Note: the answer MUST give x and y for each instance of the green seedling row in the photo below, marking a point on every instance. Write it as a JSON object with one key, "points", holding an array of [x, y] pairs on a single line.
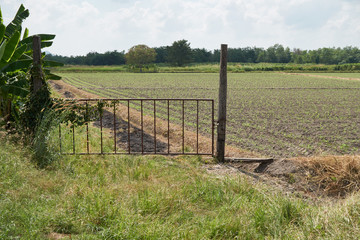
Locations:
{"points": [[272, 113]]}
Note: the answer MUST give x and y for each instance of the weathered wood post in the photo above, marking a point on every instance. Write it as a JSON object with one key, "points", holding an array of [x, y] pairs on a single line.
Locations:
{"points": [[36, 72], [221, 128]]}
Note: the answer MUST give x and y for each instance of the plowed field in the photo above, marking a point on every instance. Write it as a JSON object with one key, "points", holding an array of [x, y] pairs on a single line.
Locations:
{"points": [[271, 113]]}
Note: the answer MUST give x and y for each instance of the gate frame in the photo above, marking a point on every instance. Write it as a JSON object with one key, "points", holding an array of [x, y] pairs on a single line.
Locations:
{"points": [[142, 100]]}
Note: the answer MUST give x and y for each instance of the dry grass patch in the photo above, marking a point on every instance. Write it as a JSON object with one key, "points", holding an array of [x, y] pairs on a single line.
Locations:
{"points": [[336, 175]]}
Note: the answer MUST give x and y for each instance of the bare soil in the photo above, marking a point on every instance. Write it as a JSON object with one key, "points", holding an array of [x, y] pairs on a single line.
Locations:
{"points": [[301, 176]]}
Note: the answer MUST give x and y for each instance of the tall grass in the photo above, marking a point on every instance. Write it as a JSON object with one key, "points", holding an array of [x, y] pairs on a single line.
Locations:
{"points": [[134, 197], [43, 145]]}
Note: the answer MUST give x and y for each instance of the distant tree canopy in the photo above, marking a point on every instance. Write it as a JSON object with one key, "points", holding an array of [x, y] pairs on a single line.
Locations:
{"points": [[161, 54], [201, 55], [140, 55], [180, 53], [92, 58]]}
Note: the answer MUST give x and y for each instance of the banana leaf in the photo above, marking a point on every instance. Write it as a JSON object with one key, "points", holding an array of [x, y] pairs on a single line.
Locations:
{"points": [[17, 65], [2, 31], [14, 90], [26, 33], [43, 45], [26, 56], [43, 37], [17, 86], [50, 75], [18, 53], [1, 18], [15, 25], [2, 49], [11, 46], [46, 44]]}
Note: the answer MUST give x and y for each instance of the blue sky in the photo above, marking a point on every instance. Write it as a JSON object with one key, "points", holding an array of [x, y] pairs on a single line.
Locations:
{"points": [[102, 25]]}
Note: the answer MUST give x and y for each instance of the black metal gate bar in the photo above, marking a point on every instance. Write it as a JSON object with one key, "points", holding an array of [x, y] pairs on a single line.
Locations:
{"points": [[197, 126], [212, 128], [87, 127], [73, 130], [142, 128], [129, 147], [114, 127], [155, 126], [60, 138], [183, 126], [115, 101], [101, 132], [168, 127]]}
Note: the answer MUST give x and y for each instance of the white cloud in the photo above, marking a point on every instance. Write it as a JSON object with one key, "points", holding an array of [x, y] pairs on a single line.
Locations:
{"points": [[91, 25]]}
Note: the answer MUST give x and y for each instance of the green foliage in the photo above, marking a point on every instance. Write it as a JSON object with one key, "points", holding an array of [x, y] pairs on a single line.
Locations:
{"points": [[127, 197], [201, 55], [16, 53], [11, 50], [15, 63], [248, 55], [13, 88], [214, 68], [44, 153], [10, 47], [34, 108], [15, 24], [140, 55], [179, 53], [108, 58], [26, 33]]}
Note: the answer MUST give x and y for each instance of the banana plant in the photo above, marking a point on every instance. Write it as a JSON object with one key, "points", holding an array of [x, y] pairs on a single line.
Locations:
{"points": [[15, 57], [16, 52]]}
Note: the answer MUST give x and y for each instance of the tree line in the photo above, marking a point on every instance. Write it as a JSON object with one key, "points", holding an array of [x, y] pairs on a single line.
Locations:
{"points": [[180, 53]]}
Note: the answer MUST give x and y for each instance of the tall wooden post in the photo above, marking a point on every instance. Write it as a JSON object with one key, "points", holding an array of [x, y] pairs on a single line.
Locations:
{"points": [[221, 128], [36, 72]]}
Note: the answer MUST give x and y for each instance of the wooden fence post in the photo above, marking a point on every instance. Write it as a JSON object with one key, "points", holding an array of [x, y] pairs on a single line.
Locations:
{"points": [[221, 128], [36, 73]]}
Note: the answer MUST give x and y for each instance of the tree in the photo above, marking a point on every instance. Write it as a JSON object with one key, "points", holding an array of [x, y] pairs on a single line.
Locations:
{"points": [[179, 53], [201, 55], [261, 56], [114, 58], [140, 55], [161, 54]]}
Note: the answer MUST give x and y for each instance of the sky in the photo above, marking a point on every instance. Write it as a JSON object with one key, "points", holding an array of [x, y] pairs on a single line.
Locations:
{"points": [[83, 26]]}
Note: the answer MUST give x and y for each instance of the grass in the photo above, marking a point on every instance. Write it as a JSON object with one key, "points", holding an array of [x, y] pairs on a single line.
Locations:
{"points": [[232, 67], [134, 197], [272, 113]]}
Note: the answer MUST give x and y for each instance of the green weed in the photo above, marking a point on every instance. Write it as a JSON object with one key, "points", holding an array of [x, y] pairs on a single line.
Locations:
{"points": [[135, 197]]}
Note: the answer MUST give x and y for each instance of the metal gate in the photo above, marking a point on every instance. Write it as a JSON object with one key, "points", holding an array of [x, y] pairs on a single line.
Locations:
{"points": [[138, 126]]}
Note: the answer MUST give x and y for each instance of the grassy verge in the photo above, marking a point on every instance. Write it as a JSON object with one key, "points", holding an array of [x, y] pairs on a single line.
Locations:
{"points": [[214, 68], [129, 197]]}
